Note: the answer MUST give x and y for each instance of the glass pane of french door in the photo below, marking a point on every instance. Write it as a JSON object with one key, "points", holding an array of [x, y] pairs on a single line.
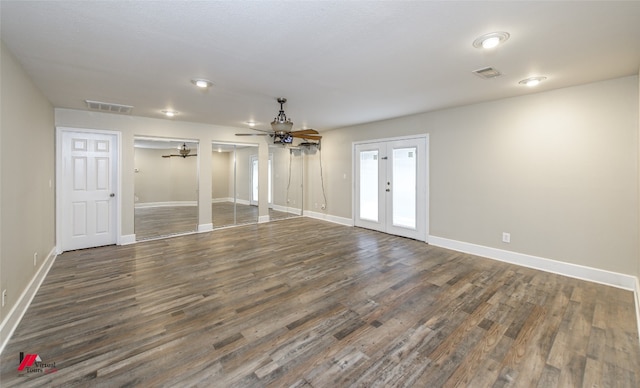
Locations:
{"points": [[369, 185], [404, 169]]}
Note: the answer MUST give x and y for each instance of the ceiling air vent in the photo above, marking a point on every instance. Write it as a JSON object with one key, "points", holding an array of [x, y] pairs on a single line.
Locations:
{"points": [[487, 73], [108, 107]]}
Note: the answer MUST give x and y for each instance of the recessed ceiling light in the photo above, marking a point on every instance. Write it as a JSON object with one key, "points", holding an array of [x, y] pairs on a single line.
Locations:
{"points": [[251, 123], [532, 81], [169, 113], [202, 83], [491, 40]]}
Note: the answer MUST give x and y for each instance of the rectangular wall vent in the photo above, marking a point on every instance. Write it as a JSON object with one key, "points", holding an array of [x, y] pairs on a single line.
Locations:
{"points": [[109, 107], [487, 73]]}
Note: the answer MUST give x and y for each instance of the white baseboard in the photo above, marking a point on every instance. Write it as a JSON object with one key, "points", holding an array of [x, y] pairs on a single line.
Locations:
{"points": [[230, 200], [205, 228], [609, 278], [601, 276], [144, 205], [287, 209], [329, 217], [127, 239], [11, 321], [637, 300], [219, 200], [263, 219]]}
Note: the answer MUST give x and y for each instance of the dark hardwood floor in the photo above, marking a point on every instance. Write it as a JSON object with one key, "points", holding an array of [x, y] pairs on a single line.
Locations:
{"points": [[306, 303]]}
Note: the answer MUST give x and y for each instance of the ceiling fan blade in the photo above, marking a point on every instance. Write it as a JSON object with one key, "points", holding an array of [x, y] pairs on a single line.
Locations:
{"points": [[262, 130], [306, 132], [303, 136]]}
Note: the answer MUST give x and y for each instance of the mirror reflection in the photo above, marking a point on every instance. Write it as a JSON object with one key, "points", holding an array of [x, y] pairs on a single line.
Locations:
{"points": [[285, 178], [166, 187], [232, 174]]}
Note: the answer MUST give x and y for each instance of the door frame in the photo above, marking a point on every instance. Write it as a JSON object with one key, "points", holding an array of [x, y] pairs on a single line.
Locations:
{"points": [[59, 184], [354, 174]]}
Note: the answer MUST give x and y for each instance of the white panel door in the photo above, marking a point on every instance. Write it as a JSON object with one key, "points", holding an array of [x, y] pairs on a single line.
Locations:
{"points": [[88, 179], [391, 186]]}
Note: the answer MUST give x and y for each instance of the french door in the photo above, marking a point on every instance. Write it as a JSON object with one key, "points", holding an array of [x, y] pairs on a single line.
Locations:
{"points": [[87, 188], [391, 187]]}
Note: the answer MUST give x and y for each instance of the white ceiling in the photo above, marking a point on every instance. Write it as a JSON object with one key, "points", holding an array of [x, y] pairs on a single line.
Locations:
{"points": [[339, 63]]}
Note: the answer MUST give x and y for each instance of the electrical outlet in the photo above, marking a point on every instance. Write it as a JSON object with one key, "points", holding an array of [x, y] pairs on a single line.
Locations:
{"points": [[4, 296], [324, 207], [35, 259], [506, 237]]}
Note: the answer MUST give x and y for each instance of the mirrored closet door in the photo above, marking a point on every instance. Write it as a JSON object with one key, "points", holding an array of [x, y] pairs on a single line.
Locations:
{"points": [[285, 181], [233, 184], [166, 187]]}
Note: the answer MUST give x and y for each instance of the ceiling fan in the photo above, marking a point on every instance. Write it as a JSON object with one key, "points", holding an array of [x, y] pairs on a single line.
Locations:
{"points": [[281, 129], [184, 152]]}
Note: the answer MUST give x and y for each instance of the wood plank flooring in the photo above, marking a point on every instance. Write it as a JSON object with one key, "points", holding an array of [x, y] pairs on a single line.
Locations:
{"points": [[154, 222], [306, 303]]}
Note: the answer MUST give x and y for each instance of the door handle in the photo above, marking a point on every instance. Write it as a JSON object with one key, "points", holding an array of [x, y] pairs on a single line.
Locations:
{"points": [[112, 195]]}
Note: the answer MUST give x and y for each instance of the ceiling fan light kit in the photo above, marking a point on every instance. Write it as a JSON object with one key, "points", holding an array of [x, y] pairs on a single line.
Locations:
{"points": [[281, 129], [281, 124]]}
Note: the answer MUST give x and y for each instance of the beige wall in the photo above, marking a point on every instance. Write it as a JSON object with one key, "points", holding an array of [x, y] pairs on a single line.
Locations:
{"points": [[558, 170], [222, 175], [27, 146], [161, 179]]}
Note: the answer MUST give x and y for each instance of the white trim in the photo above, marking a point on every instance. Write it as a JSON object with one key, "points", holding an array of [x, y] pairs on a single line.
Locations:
{"points": [[595, 275], [205, 227], [286, 209], [11, 321], [230, 200], [385, 139], [263, 219], [328, 217], [127, 239], [637, 300], [144, 205]]}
